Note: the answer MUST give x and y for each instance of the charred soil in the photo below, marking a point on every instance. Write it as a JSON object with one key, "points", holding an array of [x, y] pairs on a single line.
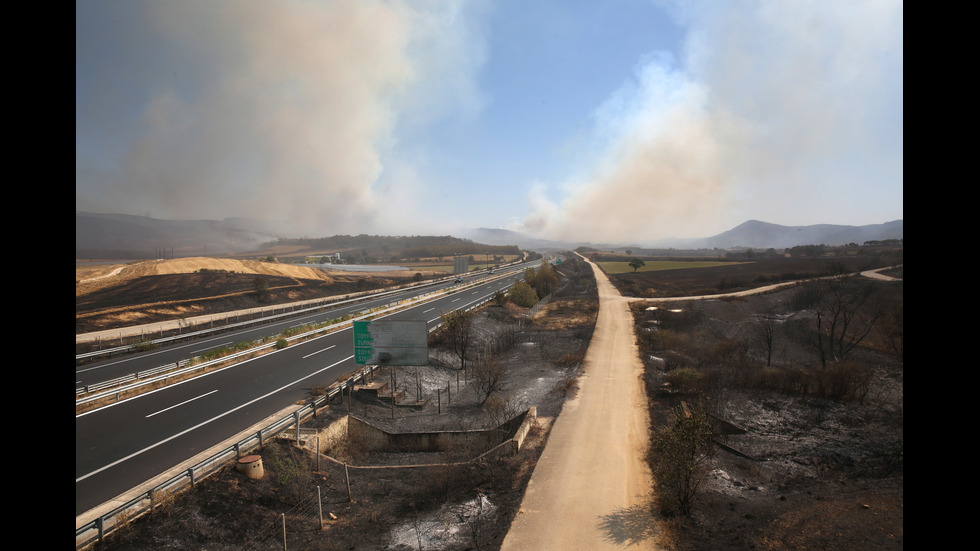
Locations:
{"points": [[795, 468], [447, 499], [806, 456]]}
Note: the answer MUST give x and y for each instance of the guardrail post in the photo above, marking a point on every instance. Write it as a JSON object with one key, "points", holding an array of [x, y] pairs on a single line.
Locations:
{"points": [[296, 416]]}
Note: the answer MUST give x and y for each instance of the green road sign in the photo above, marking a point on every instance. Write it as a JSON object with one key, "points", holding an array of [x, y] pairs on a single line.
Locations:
{"points": [[391, 343]]}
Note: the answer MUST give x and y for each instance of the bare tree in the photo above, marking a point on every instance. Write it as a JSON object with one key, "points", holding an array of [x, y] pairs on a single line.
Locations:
{"points": [[893, 330], [763, 333], [458, 328], [488, 376], [845, 316]]}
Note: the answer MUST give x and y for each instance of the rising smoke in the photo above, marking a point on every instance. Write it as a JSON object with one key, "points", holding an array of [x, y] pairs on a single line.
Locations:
{"points": [[286, 110], [772, 104], [291, 110]]}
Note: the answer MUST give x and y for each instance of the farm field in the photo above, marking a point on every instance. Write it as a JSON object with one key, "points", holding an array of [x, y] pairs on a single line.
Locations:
{"points": [[660, 265], [698, 278]]}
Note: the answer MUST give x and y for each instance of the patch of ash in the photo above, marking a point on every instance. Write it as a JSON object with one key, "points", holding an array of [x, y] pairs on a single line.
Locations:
{"points": [[451, 526]]}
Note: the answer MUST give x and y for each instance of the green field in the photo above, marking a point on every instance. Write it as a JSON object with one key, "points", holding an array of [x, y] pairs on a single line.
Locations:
{"points": [[659, 265]]}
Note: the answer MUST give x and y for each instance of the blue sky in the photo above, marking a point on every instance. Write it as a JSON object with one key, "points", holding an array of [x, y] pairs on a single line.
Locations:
{"points": [[617, 121]]}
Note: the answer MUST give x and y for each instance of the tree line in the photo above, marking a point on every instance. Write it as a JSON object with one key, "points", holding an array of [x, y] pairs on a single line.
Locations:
{"points": [[400, 246]]}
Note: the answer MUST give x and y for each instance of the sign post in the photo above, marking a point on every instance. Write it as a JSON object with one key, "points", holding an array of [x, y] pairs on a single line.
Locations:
{"points": [[391, 343]]}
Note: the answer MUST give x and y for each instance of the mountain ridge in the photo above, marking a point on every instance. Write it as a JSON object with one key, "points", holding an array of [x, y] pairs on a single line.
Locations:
{"points": [[750, 234], [102, 235]]}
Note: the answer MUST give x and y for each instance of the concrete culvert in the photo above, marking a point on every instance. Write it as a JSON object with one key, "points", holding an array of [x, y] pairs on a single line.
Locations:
{"points": [[251, 466]]}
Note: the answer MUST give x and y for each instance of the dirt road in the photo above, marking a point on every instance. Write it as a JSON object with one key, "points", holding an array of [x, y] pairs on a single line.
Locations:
{"points": [[591, 487]]}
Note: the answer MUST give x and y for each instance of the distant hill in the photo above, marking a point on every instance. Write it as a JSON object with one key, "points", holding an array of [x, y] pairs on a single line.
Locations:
{"points": [[381, 246], [126, 236], [751, 234], [100, 235], [122, 236], [493, 236], [763, 235]]}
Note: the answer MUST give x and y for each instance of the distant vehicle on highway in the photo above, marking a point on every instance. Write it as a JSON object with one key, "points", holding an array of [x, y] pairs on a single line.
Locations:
{"points": [[459, 279]]}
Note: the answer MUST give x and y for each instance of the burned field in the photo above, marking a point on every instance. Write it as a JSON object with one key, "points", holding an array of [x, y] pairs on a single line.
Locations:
{"points": [[446, 498], [739, 274], [808, 446]]}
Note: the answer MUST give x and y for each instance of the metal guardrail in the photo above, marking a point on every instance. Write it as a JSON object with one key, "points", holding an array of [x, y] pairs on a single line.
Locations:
{"points": [[119, 385], [120, 381], [98, 528], [329, 301]]}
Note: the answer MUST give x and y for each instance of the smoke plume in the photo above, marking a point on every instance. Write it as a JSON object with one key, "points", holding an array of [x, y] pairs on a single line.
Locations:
{"points": [[771, 103], [286, 110]]}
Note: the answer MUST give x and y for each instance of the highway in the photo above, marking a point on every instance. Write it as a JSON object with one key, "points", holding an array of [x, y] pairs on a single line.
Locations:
{"points": [[122, 446], [111, 368]]}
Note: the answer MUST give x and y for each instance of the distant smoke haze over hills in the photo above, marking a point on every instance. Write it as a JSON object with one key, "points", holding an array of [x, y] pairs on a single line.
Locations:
{"points": [[751, 234], [756, 234], [128, 236]]}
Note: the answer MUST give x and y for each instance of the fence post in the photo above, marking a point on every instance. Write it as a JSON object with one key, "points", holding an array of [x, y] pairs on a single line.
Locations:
{"points": [[319, 502], [350, 497]]}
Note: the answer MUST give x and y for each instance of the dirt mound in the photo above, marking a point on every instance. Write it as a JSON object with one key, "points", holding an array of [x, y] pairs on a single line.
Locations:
{"points": [[196, 264], [115, 295], [108, 296]]}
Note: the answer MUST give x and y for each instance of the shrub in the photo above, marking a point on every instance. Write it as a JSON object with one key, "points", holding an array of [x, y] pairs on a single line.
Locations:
{"points": [[679, 455], [844, 380], [686, 380], [806, 297], [523, 295], [570, 359]]}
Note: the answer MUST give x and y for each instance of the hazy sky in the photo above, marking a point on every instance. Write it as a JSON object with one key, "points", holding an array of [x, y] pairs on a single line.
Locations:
{"points": [[618, 120]]}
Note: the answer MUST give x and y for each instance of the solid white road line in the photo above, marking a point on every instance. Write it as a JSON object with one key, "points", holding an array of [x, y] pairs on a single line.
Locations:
{"points": [[199, 425]]}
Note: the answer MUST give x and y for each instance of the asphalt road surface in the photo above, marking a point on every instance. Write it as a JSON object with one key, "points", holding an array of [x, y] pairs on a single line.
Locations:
{"points": [[132, 441], [591, 488]]}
